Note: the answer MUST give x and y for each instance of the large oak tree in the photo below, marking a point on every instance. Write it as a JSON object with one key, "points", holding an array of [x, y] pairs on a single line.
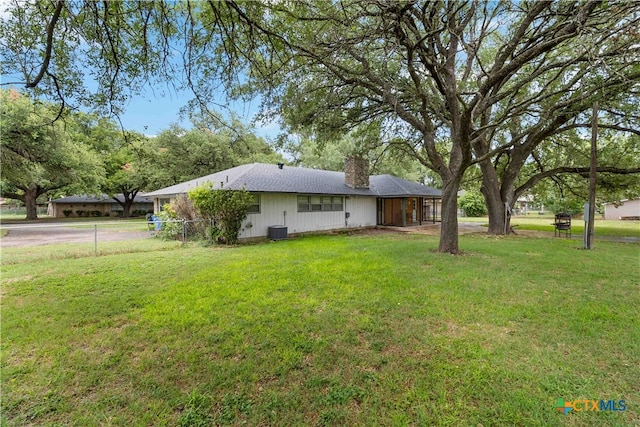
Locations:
{"points": [[446, 78], [39, 155]]}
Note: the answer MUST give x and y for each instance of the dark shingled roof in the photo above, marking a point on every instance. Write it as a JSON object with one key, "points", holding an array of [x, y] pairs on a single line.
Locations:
{"points": [[268, 178], [392, 186]]}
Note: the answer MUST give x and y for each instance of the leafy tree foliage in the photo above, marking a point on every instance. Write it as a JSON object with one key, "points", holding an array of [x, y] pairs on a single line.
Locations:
{"points": [[560, 168], [459, 83], [180, 155], [456, 83], [472, 203], [309, 151], [570, 204], [124, 155], [39, 156], [227, 209]]}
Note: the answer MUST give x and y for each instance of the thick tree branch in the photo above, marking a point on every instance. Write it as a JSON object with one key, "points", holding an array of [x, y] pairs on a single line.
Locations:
{"points": [[582, 171], [49, 46]]}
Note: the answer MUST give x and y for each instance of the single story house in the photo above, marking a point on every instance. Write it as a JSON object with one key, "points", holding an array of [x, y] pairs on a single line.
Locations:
{"points": [[100, 205], [305, 200], [624, 209]]}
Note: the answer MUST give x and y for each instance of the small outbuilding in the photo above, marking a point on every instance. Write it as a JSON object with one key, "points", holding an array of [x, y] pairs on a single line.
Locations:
{"points": [[624, 209]]}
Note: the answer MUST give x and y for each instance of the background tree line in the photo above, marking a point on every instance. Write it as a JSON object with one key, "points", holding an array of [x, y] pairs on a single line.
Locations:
{"points": [[461, 87], [82, 153]]}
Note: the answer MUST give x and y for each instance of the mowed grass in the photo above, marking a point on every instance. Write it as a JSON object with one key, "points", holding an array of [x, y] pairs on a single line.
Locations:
{"points": [[325, 330], [602, 228], [40, 253]]}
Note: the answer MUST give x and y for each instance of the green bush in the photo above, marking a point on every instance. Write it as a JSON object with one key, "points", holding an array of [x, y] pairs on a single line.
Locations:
{"points": [[171, 227], [570, 205], [473, 204], [227, 209], [67, 212]]}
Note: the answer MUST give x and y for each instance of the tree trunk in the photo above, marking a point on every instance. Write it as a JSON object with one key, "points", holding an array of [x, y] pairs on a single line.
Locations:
{"points": [[126, 208], [449, 212], [495, 205], [30, 201], [128, 199], [593, 176]]}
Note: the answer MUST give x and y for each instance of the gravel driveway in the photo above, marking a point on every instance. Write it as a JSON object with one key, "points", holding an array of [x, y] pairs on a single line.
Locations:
{"points": [[38, 234]]}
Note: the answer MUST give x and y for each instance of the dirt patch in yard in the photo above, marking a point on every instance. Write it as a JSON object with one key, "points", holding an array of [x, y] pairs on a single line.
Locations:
{"points": [[434, 229]]}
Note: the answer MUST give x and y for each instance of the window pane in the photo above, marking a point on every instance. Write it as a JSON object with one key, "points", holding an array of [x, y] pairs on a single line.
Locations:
{"points": [[326, 204], [337, 204], [303, 204], [162, 202], [316, 203], [255, 207]]}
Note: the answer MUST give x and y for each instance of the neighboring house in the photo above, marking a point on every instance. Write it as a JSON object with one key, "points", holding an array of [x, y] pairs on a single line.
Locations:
{"points": [[305, 200], [102, 205], [524, 204], [624, 209]]}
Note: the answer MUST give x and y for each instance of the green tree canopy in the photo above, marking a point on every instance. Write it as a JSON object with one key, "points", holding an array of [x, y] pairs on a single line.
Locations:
{"points": [[180, 155], [39, 155], [125, 156], [456, 82]]}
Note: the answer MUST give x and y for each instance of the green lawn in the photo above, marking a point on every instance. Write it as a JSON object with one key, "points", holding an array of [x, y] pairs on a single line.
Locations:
{"points": [[324, 330], [602, 228]]}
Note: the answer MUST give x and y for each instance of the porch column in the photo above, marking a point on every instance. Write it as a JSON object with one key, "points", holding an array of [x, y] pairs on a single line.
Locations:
{"points": [[404, 211]]}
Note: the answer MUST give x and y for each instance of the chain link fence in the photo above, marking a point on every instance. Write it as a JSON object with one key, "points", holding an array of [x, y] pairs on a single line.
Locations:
{"points": [[94, 236], [183, 230]]}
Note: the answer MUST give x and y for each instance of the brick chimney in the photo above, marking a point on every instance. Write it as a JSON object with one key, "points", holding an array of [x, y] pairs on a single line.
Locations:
{"points": [[356, 172]]}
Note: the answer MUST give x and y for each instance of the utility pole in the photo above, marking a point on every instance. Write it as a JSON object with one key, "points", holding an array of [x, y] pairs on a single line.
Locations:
{"points": [[592, 177]]}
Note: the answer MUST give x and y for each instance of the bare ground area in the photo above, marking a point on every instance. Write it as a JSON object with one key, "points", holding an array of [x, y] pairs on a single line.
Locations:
{"points": [[39, 235], [434, 229]]}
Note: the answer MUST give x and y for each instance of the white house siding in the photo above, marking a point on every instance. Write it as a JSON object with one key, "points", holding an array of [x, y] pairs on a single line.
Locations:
{"points": [[627, 208], [273, 207]]}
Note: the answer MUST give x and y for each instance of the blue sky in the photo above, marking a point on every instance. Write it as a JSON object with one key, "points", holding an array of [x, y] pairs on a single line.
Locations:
{"points": [[155, 111], [152, 113], [159, 107]]}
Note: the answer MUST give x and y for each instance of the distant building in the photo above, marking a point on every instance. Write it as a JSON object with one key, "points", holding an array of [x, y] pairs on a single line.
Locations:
{"points": [[101, 205], [624, 209]]}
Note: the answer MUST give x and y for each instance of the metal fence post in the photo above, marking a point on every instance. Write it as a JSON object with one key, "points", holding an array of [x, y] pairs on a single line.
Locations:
{"points": [[184, 231], [95, 239]]}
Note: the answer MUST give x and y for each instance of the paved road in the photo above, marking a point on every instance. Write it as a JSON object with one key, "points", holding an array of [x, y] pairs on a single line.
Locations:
{"points": [[20, 235]]}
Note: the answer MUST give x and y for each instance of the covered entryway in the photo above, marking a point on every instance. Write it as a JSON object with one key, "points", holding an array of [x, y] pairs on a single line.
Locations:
{"points": [[407, 211]]}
